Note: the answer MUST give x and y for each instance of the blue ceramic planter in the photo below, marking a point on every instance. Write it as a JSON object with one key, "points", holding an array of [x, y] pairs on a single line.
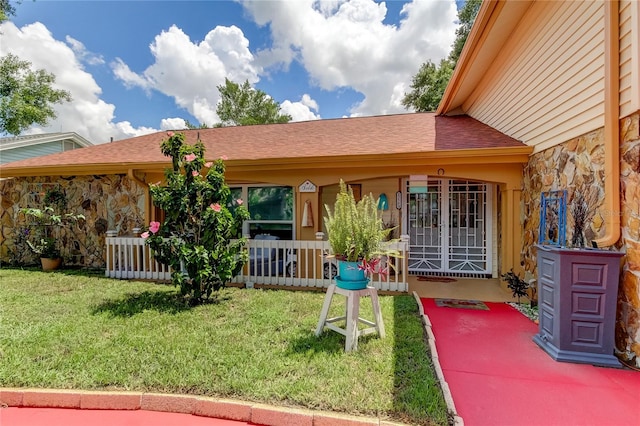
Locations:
{"points": [[350, 276]]}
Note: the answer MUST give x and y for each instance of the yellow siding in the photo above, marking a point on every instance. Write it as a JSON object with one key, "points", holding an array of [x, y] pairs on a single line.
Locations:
{"points": [[629, 57], [547, 84]]}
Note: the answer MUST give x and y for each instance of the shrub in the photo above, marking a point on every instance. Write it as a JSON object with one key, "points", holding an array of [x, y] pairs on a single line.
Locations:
{"points": [[200, 237]]}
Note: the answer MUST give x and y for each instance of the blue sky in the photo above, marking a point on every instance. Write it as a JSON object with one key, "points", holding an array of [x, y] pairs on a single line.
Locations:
{"points": [[135, 67]]}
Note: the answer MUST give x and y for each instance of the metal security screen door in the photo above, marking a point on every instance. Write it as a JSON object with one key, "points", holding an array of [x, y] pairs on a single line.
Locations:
{"points": [[449, 224]]}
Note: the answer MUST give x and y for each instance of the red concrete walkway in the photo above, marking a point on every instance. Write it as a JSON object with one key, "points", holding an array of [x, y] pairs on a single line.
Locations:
{"points": [[498, 376]]}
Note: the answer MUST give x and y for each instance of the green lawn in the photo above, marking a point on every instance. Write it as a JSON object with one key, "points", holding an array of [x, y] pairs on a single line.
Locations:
{"points": [[71, 329]]}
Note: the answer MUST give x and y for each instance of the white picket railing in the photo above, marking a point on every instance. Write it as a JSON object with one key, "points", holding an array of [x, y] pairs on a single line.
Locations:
{"points": [[271, 262]]}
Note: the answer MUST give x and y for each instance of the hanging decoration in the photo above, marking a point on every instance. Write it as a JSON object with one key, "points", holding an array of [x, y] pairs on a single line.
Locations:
{"points": [[307, 215]]}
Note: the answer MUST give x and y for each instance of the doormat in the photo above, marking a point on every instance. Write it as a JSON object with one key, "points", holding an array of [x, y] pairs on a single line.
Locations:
{"points": [[464, 304], [437, 279]]}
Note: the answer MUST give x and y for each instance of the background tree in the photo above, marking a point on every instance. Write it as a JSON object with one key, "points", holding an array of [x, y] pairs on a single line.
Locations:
{"points": [[26, 96], [242, 105], [429, 84], [192, 126], [200, 237], [6, 10], [467, 16]]}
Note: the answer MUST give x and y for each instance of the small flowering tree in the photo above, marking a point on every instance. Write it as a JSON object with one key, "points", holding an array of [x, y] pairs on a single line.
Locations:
{"points": [[199, 238]]}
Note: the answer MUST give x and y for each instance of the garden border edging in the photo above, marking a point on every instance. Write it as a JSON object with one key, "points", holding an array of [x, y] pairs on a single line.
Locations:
{"points": [[256, 413]]}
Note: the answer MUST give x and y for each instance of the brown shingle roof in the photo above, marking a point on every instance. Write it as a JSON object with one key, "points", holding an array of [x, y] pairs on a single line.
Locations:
{"points": [[388, 134]]}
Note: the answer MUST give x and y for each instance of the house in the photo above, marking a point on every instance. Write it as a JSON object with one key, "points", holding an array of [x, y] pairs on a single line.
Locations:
{"points": [[452, 184], [564, 78], [545, 96], [20, 147]]}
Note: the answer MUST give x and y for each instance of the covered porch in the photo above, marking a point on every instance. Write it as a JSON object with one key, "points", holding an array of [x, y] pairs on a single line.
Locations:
{"points": [[484, 289]]}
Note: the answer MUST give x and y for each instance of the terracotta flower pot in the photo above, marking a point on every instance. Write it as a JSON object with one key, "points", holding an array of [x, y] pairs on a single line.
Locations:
{"points": [[50, 264]]}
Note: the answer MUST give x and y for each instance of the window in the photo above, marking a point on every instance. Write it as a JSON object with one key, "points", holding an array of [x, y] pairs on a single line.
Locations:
{"points": [[270, 209]]}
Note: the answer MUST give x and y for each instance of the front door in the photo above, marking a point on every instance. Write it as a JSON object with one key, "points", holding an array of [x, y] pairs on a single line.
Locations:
{"points": [[449, 227]]}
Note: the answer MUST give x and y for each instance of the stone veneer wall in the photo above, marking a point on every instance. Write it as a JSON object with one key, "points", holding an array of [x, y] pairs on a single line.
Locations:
{"points": [[576, 165], [628, 327], [108, 202]]}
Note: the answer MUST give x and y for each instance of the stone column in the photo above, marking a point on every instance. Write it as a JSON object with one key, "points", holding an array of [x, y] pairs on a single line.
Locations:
{"points": [[628, 320]]}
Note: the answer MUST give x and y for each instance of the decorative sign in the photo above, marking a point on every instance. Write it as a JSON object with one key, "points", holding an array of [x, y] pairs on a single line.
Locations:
{"points": [[307, 186]]}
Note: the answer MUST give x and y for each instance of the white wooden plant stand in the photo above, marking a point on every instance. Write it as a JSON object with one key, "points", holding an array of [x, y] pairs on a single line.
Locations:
{"points": [[352, 315]]}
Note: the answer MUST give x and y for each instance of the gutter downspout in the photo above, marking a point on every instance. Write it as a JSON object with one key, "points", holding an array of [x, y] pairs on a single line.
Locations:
{"points": [[611, 206], [143, 184]]}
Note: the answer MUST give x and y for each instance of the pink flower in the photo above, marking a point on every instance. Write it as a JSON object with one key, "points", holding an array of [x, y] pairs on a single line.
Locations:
{"points": [[239, 201], [216, 207], [373, 266], [170, 133], [189, 157], [145, 235], [154, 227], [208, 164], [195, 173], [224, 157]]}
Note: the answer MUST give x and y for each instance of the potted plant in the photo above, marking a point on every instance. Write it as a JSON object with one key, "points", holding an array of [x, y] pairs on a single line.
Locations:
{"points": [[357, 238], [49, 254], [577, 286], [45, 221]]}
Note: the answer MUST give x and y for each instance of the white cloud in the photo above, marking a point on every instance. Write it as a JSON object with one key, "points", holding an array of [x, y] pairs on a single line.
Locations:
{"points": [[173, 124], [347, 44], [307, 101], [191, 72], [82, 53], [341, 44], [87, 114], [301, 111], [128, 77]]}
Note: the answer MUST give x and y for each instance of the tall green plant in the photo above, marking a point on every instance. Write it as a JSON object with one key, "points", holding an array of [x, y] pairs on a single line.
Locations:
{"points": [[356, 230], [200, 237]]}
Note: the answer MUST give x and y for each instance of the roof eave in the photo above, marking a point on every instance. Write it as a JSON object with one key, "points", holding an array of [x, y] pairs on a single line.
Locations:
{"points": [[55, 137], [78, 169], [502, 155], [467, 73]]}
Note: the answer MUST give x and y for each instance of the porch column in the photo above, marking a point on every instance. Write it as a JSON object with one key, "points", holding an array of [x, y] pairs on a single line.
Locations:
{"points": [[510, 230]]}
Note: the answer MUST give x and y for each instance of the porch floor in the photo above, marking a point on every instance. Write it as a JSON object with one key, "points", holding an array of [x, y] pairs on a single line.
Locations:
{"points": [[486, 290]]}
